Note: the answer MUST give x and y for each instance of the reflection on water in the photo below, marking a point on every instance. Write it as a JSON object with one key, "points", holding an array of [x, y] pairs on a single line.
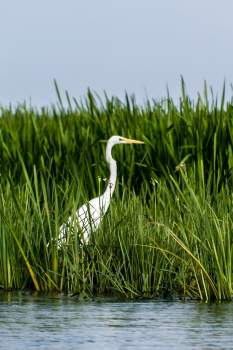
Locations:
{"points": [[42, 322]]}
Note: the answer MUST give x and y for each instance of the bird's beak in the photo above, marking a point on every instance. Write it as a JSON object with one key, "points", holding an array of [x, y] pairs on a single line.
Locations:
{"points": [[131, 140]]}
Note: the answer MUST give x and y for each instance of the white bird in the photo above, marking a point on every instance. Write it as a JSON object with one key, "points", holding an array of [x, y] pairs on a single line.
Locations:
{"points": [[89, 215]]}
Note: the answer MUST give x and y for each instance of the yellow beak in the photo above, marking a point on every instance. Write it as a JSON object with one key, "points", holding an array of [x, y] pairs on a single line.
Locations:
{"points": [[131, 140]]}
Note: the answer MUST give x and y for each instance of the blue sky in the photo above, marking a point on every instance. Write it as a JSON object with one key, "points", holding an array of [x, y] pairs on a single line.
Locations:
{"points": [[123, 45]]}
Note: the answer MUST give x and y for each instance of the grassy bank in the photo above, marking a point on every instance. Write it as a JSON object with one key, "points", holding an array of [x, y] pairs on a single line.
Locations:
{"points": [[169, 230]]}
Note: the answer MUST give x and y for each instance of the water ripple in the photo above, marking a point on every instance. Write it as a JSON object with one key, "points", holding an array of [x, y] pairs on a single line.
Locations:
{"points": [[28, 322]]}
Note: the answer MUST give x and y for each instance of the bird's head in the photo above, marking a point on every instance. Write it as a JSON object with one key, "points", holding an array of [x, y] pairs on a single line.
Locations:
{"points": [[115, 140]]}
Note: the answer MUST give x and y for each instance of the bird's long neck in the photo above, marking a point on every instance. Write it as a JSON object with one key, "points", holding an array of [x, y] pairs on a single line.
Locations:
{"points": [[113, 174]]}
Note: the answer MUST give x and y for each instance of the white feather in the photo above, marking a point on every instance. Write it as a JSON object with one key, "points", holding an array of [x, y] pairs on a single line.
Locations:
{"points": [[89, 215]]}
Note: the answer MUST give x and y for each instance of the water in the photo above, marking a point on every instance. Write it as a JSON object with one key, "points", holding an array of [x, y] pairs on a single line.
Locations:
{"points": [[42, 322]]}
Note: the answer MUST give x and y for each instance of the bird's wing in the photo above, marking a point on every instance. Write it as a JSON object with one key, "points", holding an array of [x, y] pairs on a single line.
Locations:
{"points": [[88, 218]]}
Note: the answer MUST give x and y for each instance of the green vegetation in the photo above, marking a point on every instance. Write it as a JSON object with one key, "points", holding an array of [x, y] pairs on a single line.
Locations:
{"points": [[169, 229]]}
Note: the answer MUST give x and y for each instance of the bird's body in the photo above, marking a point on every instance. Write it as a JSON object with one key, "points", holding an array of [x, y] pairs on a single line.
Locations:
{"points": [[89, 215]]}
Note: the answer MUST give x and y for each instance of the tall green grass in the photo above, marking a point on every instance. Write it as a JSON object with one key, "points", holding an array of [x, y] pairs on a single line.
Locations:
{"points": [[169, 229]]}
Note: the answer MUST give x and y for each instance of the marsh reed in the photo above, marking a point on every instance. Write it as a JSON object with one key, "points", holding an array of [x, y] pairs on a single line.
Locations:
{"points": [[169, 230]]}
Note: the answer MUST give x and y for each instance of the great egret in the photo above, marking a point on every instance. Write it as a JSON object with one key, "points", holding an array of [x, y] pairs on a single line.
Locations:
{"points": [[89, 216]]}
